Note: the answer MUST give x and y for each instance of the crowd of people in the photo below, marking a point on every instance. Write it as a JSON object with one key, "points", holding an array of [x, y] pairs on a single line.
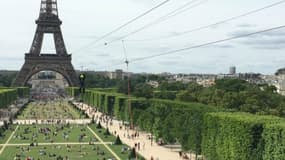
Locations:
{"points": [[125, 131], [56, 109]]}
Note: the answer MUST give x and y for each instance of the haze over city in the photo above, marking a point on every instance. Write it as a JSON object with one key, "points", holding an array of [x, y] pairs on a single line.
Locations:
{"points": [[88, 21]]}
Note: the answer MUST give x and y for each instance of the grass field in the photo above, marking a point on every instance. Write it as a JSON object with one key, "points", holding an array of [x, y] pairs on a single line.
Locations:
{"points": [[100, 133], [111, 138], [60, 141], [52, 133], [72, 148], [73, 152], [60, 109], [6, 134]]}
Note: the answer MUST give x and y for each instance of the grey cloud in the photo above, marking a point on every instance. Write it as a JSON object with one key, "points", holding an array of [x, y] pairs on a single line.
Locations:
{"points": [[103, 55], [157, 49], [246, 25], [265, 43], [279, 33], [239, 33], [85, 37], [169, 63], [221, 46], [267, 40]]}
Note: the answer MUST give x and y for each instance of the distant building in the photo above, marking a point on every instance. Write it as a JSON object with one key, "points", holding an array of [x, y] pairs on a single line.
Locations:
{"points": [[277, 80], [206, 82], [232, 70], [154, 84], [118, 74]]}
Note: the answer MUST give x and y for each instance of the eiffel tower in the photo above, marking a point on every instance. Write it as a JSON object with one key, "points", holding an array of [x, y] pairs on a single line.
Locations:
{"points": [[35, 61]]}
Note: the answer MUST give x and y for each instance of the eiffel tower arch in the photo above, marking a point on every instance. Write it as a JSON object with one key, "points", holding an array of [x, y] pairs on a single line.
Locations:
{"points": [[35, 61]]}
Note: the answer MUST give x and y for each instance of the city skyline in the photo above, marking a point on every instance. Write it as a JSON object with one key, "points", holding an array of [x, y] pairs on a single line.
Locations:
{"points": [[86, 22]]}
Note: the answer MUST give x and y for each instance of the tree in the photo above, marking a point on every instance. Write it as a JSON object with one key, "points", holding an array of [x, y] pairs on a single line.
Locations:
{"points": [[99, 126], [107, 132], [168, 129], [118, 141], [6, 79], [172, 86], [187, 96], [6, 125], [123, 87], [233, 85], [132, 154], [143, 90]]}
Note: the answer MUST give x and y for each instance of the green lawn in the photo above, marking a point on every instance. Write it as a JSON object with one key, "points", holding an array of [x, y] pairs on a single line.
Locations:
{"points": [[110, 138], [6, 134], [44, 151], [100, 133], [55, 133], [87, 152], [60, 109], [49, 139]]}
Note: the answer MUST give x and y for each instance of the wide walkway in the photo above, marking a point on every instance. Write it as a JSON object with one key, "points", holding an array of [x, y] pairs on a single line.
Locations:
{"points": [[53, 121], [144, 144]]}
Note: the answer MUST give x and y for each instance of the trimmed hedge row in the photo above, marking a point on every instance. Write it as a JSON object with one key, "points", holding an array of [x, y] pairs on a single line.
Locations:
{"points": [[199, 128], [243, 136], [8, 96], [274, 138], [72, 91], [170, 120], [179, 121], [23, 92], [170, 95]]}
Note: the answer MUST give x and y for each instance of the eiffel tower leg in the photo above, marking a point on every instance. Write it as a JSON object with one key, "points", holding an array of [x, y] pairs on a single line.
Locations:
{"points": [[37, 43], [22, 75], [59, 43]]}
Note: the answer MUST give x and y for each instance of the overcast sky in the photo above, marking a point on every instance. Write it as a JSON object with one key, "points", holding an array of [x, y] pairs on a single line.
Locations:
{"points": [[87, 20]]}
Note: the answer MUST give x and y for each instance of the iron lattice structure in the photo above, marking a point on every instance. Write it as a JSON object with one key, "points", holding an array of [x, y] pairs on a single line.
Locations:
{"points": [[35, 61]]}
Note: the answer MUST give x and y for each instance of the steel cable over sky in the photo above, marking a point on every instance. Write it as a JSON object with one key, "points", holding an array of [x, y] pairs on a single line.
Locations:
{"points": [[122, 26], [169, 15], [213, 24], [199, 46]]}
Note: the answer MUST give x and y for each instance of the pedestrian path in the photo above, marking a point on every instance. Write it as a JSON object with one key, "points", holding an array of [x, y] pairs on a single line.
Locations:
{"points": [[147, 148]]}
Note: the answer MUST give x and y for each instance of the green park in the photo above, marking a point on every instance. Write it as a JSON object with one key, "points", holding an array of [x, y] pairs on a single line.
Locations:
{"points": [[126, 86]]}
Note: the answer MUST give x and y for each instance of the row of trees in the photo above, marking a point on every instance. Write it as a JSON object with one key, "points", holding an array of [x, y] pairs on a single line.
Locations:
{"points": [[6, 78], [237, 95], [199, 128], [230, 94]]}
